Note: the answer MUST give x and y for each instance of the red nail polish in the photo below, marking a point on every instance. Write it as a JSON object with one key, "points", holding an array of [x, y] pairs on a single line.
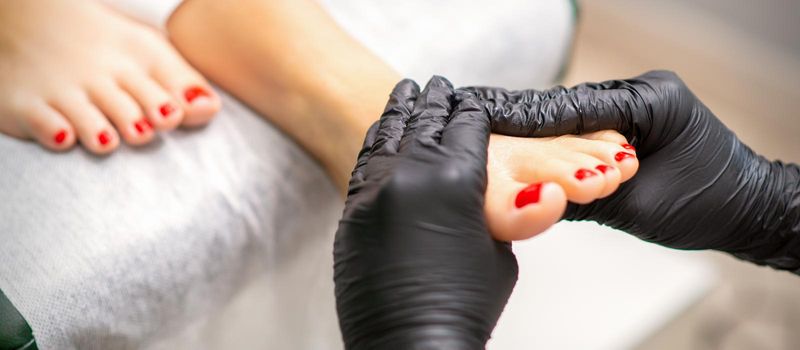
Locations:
{"points": [[104, 138], [61, 135], [142, 125], [628, 147], [584, 173], [603, 168], [167, 109], [623, 155], [139, 126], [528, 195], [194, 92]]}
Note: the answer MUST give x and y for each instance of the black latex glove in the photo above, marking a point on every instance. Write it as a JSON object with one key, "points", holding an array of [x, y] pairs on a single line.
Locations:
{"points": [[415, 266], [698, 186]]}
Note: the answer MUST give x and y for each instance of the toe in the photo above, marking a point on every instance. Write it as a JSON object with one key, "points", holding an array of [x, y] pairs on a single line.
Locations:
{"points": [[624, 154], [607, 136], [93, 128], [158, 105], [612, 176], [47, 126], [627, 163], [575, 172], [123, 111], [516, 210], [196, 97], [607, 148]]}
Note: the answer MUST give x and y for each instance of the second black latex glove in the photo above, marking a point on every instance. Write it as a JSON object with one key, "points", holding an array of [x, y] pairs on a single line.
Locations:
{"points": [[698, 185], [415, 266]]}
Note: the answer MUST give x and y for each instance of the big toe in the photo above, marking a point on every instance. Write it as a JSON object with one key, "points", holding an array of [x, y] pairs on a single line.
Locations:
{"points": [[517, 211], [197, 99]]}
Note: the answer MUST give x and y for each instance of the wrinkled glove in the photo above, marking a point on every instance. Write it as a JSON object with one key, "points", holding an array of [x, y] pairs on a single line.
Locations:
{"points": [[698, 185], [414, 264]]}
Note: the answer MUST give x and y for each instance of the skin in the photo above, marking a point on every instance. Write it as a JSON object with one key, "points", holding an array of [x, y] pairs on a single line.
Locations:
{"points": [[286, 59], [64, 81], [291, 62], [515, 163]]}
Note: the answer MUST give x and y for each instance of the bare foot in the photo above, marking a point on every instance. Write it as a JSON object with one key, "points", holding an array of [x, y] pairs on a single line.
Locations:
{"points": [[77, 71], [291, 62], [531, 179]]}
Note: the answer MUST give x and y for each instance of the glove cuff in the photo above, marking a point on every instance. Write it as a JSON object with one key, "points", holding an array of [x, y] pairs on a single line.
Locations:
{"points": [[778, 243]]}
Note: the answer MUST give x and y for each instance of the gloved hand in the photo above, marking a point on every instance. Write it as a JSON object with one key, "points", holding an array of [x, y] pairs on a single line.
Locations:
{"points": [[415, 266], [698, 186]]}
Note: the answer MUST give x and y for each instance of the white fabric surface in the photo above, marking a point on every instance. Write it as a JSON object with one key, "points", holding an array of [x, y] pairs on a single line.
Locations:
{"points": [[151, 12], [221, 237], [114, 252]]}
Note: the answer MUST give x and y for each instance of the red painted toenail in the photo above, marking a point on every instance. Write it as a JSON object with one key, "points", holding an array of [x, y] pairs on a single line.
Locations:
{"points": [[584, 173], [61, 136], [622, 156], [193, 93], [167, 109], [528, 195], [603, 168], [140, 126], [628, 147], [104, 138]]}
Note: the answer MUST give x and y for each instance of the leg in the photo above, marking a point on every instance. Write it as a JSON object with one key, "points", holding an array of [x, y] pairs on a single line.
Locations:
{"points": [[292, 63]]}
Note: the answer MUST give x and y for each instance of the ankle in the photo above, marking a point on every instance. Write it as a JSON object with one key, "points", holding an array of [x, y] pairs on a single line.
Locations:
{"points": [[294, 65], [343, 116]]}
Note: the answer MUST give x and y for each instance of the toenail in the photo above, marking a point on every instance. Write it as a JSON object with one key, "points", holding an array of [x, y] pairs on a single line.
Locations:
{"points": [[194, 92], [142, 126], [584, 173], [61, 135], [104, 138], [622, 156], [167, 109], [628, 147], [528, 195], [603, 168]]}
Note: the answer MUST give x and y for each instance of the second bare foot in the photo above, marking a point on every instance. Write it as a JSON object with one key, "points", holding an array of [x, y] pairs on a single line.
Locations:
{"points": [[78, 71]]}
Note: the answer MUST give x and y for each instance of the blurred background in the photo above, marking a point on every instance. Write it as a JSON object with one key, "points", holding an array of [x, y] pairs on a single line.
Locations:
{"points": [[742, 58]]}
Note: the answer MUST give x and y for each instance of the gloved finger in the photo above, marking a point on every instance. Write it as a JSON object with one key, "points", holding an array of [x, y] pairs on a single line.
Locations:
{"points": [[582, 111], [430, 115], [536, 119], [468, 130], [395, 116], [621, 105], [357, 177], [529, 113], [515, 96]]}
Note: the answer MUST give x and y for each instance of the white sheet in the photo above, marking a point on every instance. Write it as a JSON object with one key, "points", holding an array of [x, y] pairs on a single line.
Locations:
{"points": [[220, 237]]}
